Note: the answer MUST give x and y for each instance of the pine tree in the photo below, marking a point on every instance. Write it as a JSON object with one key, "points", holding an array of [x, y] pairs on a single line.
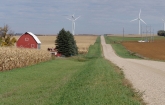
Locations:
{"points": [[65, 44], [73, 48], [60, 41]]}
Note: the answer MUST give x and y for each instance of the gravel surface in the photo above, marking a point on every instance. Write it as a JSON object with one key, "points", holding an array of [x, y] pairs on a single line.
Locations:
{"points": [[145, 75]]}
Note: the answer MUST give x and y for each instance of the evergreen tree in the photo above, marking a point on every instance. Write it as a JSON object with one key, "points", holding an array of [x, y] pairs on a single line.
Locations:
{"points": [[65, 43], [72, 44]]}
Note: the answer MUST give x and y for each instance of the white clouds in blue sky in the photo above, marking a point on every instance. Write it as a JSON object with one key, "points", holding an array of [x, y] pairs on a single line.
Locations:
{"points": [[97, 16]]}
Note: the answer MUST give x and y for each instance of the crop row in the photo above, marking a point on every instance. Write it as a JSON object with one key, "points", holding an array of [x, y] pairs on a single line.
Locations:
{"points": [[11, 58]]}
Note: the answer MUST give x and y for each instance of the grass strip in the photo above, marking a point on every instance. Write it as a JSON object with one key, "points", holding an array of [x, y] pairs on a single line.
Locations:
{"points": [[119, 48]]}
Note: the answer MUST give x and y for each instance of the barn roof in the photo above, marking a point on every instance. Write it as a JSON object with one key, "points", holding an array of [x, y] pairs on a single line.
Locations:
{"points": [[35, 37]]}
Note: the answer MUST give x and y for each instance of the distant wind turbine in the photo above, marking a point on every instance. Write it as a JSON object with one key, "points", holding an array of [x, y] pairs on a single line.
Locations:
{"points": [[139, 19], [164, 25], [73, 19]]}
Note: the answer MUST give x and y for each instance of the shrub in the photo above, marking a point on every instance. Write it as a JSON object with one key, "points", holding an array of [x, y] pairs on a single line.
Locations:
{"points": [[161, 33]]}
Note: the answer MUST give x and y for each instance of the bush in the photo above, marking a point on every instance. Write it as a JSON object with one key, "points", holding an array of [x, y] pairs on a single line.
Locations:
{"points": [[161, 33]]}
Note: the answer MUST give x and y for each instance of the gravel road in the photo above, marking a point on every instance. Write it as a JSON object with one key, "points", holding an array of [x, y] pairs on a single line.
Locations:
{"points": [[145, 75]]}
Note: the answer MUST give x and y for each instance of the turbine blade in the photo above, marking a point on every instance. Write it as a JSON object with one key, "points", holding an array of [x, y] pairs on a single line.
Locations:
{"points": [[139, 13], [143, 21], [77, 17], [69, 19], [134, 20]]}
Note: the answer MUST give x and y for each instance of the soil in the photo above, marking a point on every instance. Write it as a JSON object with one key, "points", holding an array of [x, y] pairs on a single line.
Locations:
{"points": [[152, 50]]}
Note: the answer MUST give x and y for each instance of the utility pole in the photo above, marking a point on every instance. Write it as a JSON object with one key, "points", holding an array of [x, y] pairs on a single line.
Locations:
{"points": [[150, 34], [141, 33], [153, 35], [123, 34]]}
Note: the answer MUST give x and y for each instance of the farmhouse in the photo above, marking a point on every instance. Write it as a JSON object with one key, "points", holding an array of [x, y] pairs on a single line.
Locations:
{"points": [[28, 40]]}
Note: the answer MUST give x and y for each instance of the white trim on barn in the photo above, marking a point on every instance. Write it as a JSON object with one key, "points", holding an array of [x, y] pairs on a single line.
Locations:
{"points": [[35, 37]]}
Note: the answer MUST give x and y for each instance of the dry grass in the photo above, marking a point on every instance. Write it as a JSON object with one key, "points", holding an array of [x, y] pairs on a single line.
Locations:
{"points": [[83, 42], [18, 57]]}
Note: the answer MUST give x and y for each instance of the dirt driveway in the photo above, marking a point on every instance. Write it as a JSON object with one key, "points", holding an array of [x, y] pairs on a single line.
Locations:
{"points": [[146, 76]]}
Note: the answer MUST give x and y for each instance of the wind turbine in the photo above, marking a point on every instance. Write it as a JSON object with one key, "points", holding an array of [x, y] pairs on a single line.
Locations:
{"points": [[139, 19], [164, 25], [73, 19]]}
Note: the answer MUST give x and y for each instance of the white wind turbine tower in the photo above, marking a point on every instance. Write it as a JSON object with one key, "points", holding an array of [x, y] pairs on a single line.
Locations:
{"points": [[139, 19], [73, 19], [164, 25]]}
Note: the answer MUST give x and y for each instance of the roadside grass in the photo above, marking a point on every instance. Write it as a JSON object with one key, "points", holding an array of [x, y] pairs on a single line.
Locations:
{"points": [[120, 50], [82, 80], [113, 39]]}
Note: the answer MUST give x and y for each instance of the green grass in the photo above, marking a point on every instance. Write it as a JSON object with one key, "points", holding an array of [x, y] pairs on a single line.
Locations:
{"points": [[119, 48], [81, 80], [112, 39]]}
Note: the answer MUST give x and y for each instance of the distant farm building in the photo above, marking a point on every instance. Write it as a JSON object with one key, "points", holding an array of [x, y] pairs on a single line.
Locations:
{"points": [[28, 40]]}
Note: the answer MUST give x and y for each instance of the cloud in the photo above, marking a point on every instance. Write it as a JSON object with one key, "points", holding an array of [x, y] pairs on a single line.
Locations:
{"points": [[44, 15]]}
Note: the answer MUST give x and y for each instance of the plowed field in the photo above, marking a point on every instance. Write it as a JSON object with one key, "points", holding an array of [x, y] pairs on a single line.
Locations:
{"points": [[152, 50]]}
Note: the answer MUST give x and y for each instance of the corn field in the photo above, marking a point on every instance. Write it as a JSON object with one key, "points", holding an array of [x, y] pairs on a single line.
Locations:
{"points": [[11, 58]]}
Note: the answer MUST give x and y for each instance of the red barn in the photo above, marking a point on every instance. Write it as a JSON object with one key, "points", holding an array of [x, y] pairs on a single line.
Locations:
{"points": [[28, 40]]}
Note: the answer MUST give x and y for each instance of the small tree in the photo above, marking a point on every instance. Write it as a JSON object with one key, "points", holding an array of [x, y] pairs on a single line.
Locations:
{"points": [[161, 33], [65, 43], [6, 37]]}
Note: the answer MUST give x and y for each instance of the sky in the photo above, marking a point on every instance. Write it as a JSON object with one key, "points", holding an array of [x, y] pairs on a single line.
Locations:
{"points": [[97, 16]]}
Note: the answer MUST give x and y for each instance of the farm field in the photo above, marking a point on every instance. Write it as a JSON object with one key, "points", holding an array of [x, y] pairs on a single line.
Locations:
{"points": [[152, 50], [83, 42], [11, 57], [81, 80]]}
